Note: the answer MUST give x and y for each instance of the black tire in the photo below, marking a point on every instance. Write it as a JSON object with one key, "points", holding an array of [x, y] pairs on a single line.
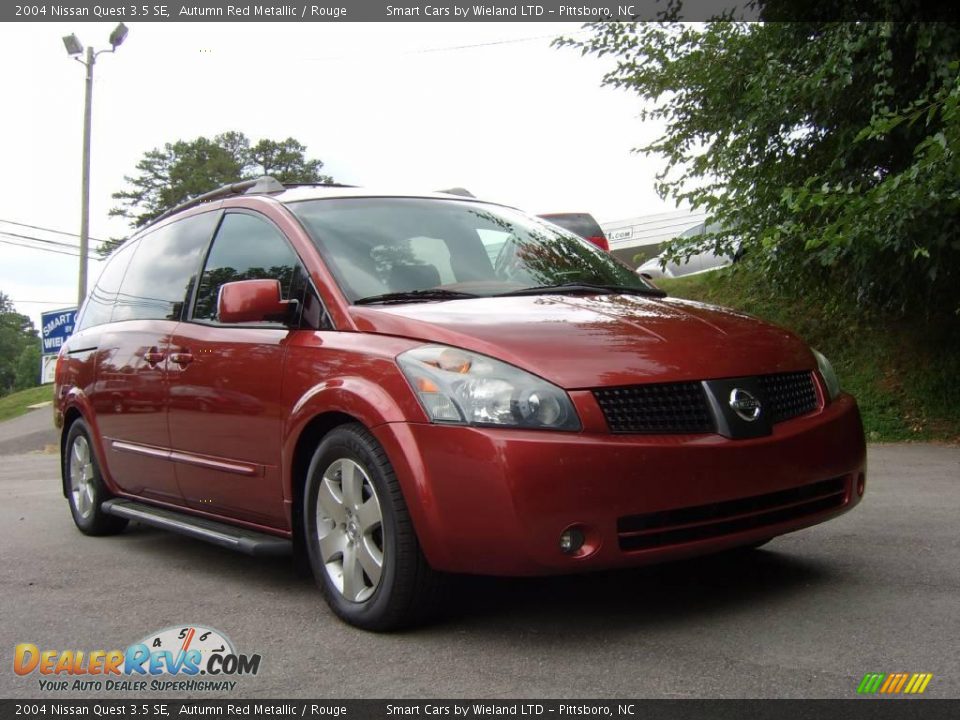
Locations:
{"points": [[407, 589], [84, 485]]}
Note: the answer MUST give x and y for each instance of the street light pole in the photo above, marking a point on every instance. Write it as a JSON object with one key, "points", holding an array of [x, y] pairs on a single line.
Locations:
{"points": [[75, 49], [85, 180]]}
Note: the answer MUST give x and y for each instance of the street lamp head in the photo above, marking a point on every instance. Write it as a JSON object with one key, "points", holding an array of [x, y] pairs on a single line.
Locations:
{"points": [[72, 44], [118, 35]]}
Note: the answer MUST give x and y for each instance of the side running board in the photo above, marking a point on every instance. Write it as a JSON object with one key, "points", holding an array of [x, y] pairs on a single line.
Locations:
{"points": [[243, 540]]}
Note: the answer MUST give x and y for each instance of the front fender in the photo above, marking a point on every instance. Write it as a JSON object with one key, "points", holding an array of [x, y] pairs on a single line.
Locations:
{"points": [[343, 377], [371, 404]]}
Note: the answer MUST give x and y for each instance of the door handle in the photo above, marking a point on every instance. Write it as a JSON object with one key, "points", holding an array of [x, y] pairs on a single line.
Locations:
{"points": [[153, 356], [182, 359]]}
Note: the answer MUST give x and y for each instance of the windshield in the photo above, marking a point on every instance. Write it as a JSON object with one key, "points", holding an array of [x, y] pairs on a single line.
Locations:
{"points": [[395, 247]]}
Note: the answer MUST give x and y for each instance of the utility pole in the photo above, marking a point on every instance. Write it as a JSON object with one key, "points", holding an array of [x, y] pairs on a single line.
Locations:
{"points": [[85, 180], [75, 50]]}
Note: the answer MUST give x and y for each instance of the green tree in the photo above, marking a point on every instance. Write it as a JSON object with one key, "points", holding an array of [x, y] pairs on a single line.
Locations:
{"points": [[831, 150], [178, 171], [28, 366], [17, 334]]}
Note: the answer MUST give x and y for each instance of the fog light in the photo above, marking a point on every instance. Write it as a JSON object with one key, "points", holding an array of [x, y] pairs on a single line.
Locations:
{"points": [[861, 484], [571, 540]]}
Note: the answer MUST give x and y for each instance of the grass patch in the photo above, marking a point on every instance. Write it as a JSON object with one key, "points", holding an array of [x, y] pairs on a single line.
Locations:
{"points": [[17, 403], [903, 372]]}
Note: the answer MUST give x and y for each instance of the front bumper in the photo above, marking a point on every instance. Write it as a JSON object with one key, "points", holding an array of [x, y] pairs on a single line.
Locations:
{"points": [[492, 501]]}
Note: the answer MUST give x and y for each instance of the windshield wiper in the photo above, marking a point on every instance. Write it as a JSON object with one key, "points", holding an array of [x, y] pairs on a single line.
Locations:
{"points": [[585, 287], [414, 296]]}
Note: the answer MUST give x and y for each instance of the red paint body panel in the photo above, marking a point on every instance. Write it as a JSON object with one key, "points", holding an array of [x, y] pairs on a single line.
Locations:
{"points": [[226, 404], [584, 342], [496, 501], [129, 399]]}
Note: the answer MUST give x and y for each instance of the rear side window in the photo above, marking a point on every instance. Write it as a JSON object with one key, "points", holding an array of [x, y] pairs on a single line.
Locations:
{"points": [[247, 247], [99, 305], [163, 270]]}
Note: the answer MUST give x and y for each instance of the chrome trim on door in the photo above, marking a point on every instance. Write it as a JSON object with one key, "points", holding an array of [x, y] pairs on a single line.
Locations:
{"points": [[223, 465], [229, 466], [138, 449]]}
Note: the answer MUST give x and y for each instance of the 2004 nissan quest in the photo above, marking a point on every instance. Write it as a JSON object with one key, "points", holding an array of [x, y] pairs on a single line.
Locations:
{"points": [[355, 371]]}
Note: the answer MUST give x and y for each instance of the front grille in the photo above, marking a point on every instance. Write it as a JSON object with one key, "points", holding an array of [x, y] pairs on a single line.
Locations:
{"points": [[656, 408], [682, 407], [670, 527], [788, 395]]}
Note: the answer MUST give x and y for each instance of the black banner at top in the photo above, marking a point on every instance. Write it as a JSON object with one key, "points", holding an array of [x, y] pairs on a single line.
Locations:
{"points": [[477, 11]]}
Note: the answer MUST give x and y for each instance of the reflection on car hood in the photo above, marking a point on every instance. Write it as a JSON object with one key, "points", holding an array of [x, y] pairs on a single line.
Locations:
{"points": [[599, 341]]}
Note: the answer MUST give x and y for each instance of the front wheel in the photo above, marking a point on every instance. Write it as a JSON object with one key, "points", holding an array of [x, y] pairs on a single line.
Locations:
{"points": [[359, 537], [84, 485]]}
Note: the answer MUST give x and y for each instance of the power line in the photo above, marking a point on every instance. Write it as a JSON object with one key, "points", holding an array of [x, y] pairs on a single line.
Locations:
{"points": [[46, 229], [42, 302], [41, 249], [449, 48], [33, 238], [19, 242], [485, 44]]}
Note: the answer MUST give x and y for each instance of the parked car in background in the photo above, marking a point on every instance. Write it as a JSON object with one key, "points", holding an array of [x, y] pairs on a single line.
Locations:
{"points": [[352, 374], [582, 224], [701, 262]]}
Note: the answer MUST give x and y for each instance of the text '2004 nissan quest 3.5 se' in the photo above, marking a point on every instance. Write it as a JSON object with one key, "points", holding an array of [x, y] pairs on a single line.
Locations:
{"points": [[266, 367]]}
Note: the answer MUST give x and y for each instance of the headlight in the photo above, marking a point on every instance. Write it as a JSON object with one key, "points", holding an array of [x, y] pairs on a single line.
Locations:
{"points": [[456, 386], [829, 376]]}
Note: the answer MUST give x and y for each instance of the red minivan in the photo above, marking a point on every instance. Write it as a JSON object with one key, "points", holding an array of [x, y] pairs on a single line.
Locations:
{"points": [[355, 374]]}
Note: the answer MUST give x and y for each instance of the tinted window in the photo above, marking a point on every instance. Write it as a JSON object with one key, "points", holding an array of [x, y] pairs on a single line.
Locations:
{"points": [[247, 247], [99, 305], [377, 246], [163, 270]]}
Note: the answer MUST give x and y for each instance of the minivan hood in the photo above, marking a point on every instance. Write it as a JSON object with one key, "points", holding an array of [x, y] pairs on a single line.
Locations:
{"points": [[598, 341]]}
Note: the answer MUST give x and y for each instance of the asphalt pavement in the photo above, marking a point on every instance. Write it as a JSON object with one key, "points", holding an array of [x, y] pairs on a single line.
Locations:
{"points": [[27, 433], [877, 590]]}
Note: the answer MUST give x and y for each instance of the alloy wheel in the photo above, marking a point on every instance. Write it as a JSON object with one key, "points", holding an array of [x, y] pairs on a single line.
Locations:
{"points": [[82, 488], [350, 530]]}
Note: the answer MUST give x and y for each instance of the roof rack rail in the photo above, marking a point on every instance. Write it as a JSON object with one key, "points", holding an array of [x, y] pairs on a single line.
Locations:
{"points": [[263, 184], [457, 191], [317, 184]]}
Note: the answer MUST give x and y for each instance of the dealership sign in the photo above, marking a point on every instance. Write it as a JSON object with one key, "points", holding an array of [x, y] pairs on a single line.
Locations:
{"points": [[55, 327]]}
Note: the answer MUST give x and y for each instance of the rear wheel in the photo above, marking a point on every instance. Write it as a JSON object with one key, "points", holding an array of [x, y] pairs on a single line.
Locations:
{"points": [[84, 484], [360, 540]]}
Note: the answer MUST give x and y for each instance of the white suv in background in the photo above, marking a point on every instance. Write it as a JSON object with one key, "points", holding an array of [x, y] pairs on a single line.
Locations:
{"points": [[701, 262]]}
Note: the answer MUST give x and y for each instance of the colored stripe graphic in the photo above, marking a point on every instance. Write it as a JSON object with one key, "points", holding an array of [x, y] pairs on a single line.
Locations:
{"points": [[901, 681], [924, 680], [894, 683], [870, 683]]}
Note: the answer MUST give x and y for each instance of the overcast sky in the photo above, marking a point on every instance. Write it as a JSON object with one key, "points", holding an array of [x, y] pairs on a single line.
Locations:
{"points": [[490, 107]]}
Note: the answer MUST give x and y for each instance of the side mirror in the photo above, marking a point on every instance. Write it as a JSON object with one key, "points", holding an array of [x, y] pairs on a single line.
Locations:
{"points": [[246, 301]]}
